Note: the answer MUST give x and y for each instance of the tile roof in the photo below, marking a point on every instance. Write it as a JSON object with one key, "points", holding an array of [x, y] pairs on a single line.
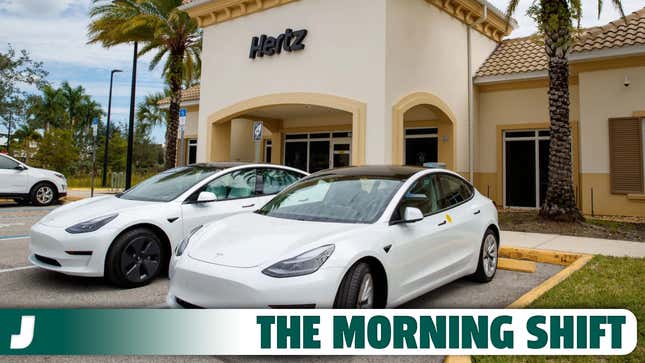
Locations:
{"points": [[187, 95], [522, 55]]}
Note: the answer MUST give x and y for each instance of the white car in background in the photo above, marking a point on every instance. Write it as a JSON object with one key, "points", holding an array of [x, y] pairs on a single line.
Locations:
{"points": [[25, 184], [361, 237], [129, 238]]}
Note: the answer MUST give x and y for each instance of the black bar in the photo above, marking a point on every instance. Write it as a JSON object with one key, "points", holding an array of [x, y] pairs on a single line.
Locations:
{"points": [[128, 166], [107, 132]]}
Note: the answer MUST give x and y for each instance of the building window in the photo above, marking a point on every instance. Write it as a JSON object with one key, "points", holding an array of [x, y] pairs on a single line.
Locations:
{"points": [[192, 152], [626, 144], [318, 151], [421, 146], [526, 167]]}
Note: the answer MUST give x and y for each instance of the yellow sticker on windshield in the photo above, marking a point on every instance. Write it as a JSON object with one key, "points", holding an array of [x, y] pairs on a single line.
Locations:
{"points": [[448, 218]]}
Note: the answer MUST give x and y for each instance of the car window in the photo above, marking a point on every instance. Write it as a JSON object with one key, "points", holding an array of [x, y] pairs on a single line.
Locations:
{"points": [[234, 185], [334, 198], [452, 191], [422, 195], [169, 184], [6, 163], [275, 180]]}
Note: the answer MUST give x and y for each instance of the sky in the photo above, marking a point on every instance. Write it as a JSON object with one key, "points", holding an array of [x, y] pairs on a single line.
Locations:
{"points": [[55, 32]]}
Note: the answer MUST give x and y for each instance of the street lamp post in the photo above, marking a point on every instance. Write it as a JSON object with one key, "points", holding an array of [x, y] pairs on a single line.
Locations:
{"points": [[107, 129], [128, 166]]}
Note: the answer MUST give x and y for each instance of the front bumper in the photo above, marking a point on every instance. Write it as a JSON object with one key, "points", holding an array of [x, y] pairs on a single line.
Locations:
{"points": [[54, 249], [199, 284]]}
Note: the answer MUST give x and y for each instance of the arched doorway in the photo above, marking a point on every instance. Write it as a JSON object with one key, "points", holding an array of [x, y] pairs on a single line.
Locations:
{"points": [[292, 118], [423, 131]]}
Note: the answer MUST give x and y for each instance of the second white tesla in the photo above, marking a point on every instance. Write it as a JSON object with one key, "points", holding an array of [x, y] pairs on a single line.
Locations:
{"points": [[358, 237], [129, 237]]}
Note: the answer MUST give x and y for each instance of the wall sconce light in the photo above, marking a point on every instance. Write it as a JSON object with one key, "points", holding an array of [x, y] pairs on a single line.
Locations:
{"points": [[627, 82]]}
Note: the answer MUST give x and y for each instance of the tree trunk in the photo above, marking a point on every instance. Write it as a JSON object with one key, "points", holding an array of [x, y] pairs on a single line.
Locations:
{"points": [[560, 201], [175, 77]]}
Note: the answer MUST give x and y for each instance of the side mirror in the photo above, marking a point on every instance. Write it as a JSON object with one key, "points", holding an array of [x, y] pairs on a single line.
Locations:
{"points": [[206, 197], [412, 215], [20, 167]]}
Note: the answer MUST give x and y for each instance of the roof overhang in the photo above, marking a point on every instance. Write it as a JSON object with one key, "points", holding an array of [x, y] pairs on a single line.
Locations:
{"points": [[165, 106], [574, 60], [471, 12], [211, 12]]}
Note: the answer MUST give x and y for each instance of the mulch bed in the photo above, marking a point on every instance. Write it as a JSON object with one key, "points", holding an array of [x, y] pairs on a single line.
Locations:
{"points": [[628, 229]]}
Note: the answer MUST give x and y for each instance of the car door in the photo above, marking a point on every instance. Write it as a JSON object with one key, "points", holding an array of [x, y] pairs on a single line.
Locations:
{"points": [[235, 192], [416, 257], [13, 178], [271, 181], [463, 229]]}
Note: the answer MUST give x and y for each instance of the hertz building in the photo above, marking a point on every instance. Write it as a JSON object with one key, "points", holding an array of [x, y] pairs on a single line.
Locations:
{"points": [[352, 82]]}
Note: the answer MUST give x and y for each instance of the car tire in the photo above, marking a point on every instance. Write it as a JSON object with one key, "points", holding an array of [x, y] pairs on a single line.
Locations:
{"points": [[43, 194], [356, 291], [134, 259], [488, 258]]}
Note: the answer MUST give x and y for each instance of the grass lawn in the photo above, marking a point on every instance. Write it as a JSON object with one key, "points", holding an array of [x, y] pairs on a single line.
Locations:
{"points": [[604, 283], [592, 227]]}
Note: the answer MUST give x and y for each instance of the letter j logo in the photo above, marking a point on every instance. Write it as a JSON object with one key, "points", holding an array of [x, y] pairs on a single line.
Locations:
{"points": [[26, 335]]}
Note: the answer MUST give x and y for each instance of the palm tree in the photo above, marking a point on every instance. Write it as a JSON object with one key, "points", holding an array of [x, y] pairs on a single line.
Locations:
{"points": [[161, 27], [73, 100], [48, 109], [149, 114], [555, 22], [25, 135]]}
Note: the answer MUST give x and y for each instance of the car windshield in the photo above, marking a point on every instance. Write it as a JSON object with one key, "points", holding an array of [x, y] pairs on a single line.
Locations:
{"points": [[170, 184], [339, 199]]}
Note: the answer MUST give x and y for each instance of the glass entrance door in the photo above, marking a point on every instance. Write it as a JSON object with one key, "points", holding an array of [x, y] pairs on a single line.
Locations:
{"points": [[318, 151], [421, 146], [526, 162], [342, 149]]}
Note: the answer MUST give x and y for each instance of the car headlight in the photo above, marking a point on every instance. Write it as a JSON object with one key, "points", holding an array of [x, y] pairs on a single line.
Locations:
{"points": [[59, 175], [181, 247], [92, 225], [304, 264]]}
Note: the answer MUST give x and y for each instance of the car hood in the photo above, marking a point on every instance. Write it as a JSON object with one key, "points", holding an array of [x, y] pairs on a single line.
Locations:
{"points": [[86, 209], [43, 172], [250, 240]]}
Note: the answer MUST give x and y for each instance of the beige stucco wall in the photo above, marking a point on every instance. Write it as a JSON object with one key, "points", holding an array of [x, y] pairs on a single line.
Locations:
{"points": [[427, 52], [509, 107], [603, 96], [319, 121], [243, 147], [344, 57], [192, 121]]}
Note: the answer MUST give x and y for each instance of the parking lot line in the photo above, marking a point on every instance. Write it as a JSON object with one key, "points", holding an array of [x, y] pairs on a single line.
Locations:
{"points": [[10, 238], [17, 269]]}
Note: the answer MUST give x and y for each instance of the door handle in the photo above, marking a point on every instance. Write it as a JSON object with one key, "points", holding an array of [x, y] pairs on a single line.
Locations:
{"points": [[248, 206], [477, 212], [443, 223]]}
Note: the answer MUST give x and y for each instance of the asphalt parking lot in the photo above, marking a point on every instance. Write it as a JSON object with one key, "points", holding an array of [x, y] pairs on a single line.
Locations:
{"points": [[24, 286]]}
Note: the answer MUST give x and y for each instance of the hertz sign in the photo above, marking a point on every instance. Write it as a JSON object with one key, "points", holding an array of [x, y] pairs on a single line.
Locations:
{"points": [[289, 41]]}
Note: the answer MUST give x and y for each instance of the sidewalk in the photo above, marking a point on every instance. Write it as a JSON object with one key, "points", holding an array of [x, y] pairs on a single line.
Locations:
{"points": [[596, 246], [76, 194]]}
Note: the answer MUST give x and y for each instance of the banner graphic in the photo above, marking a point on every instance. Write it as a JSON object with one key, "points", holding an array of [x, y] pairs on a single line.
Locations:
{"points": [[317, 332]]}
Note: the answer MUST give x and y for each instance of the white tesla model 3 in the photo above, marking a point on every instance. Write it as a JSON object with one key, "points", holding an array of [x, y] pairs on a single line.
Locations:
{"points": [[357, 237], [129, 238]]}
